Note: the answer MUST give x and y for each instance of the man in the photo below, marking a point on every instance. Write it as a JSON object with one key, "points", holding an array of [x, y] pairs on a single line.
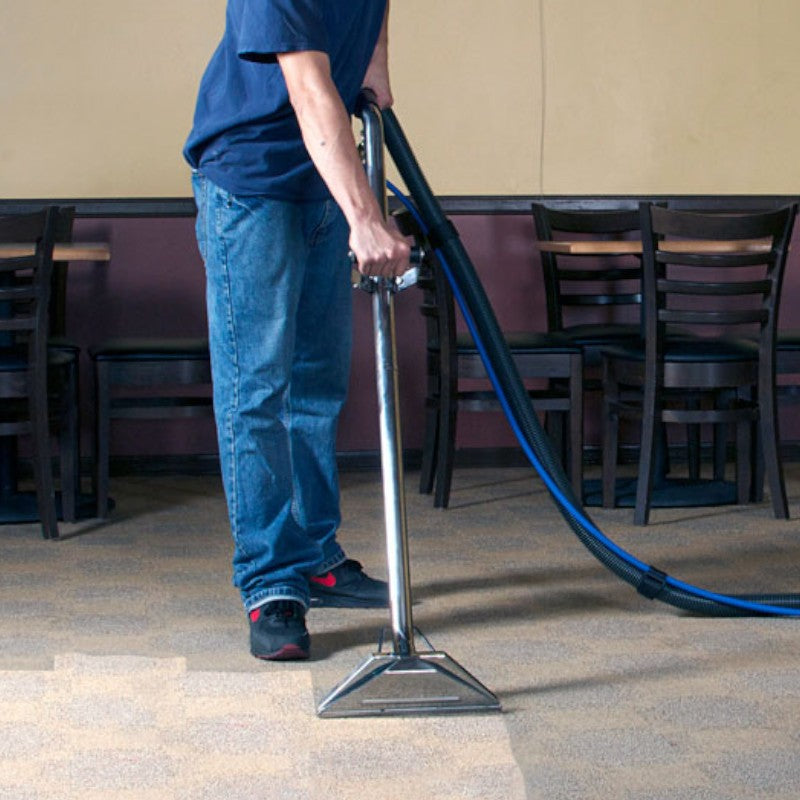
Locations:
{"points": [[281, 196]]}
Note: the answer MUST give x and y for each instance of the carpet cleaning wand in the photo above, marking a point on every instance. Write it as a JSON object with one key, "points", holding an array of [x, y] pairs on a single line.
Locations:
{"points": [[403, 681]]}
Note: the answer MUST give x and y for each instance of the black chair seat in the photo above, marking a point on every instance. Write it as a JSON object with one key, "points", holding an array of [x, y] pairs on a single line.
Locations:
{"points": [[17, 360], [522, 342], [63, 344], [789, 339], [593, 339], [688, 350], [151, 349]]}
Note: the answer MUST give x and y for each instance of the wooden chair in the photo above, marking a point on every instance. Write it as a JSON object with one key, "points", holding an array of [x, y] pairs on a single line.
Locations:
{"points": [[145, 378], [454, 363], [38, 384], [594, 300], [710, 312]]}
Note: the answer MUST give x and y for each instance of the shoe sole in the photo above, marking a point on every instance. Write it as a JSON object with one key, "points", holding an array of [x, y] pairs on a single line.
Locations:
{"points": [[337, 601], [289, 652]]}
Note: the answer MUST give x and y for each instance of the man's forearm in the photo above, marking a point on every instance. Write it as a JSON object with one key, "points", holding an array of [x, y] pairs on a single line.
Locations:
{"points": [[327, 133], [328, 137]]}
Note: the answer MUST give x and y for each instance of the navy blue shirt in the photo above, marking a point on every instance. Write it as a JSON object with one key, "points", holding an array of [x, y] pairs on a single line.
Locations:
{"points": [[245, 135]]}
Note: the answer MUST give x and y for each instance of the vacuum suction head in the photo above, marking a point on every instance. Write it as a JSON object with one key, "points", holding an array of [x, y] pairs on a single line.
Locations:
{"points": [[402, 685]]}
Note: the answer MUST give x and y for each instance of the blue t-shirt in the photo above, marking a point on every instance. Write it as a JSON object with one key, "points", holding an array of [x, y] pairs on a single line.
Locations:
{"points": [[245, 135]]}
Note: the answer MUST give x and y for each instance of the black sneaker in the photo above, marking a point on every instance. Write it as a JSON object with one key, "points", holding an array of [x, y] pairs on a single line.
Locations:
{"points": [[278, 631], [348, 586]]}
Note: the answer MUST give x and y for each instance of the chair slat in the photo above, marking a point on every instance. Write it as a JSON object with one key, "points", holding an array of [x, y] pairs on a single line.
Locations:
{"points": [[610, 275], [715, 288]]}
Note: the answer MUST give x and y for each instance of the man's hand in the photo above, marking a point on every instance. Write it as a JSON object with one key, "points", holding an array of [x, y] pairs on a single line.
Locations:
{"points": [[379, 249], [377, 79]]}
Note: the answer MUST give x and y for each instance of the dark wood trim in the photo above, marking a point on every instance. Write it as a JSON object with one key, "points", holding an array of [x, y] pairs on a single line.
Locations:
{"points": [[114, 207], [451, 204], [521, 204]]}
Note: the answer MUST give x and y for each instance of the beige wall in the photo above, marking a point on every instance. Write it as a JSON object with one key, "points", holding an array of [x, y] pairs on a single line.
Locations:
{"points": [[694, 96], [511, 96], [100, 94]]}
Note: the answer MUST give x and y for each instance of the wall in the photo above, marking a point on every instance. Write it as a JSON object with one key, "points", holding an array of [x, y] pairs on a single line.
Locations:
{"points": [[505, 97]]}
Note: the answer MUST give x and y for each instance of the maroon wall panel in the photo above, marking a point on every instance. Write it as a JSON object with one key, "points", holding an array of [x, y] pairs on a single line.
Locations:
{"points": [[154, 285]]}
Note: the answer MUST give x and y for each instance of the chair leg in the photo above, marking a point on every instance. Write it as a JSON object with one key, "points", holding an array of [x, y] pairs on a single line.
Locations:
{"points": [[770, 442], [610, 424], [576, 425], [720, 446], [429, 446], [100, 468], [42, 466], [757, 463], [446, 445], [720, 437], [661, 459], [69, 447], [693, 444], [8, 458], [647, 442], [743, 461]]}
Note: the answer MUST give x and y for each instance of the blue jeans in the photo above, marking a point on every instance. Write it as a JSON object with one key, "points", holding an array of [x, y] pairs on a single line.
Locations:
{"points": [[279, 314]]}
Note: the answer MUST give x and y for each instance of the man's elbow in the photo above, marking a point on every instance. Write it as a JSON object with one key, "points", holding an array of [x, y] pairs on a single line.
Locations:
{"points": [[307, 75]]}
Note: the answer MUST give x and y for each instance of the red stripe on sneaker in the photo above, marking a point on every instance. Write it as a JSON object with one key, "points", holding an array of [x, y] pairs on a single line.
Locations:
{"points": [[328, 580], [289, 652], [255, 614]]}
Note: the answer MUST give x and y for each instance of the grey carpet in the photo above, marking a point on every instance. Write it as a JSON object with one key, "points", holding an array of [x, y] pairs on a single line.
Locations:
{"points": [[124, 669]]}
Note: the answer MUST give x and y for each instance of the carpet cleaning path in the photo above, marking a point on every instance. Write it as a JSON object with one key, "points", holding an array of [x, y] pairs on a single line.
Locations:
{"points": [[118, 727]]}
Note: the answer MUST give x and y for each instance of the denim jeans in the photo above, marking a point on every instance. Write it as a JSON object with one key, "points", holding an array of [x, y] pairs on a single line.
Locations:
{"points": [[279, 314]]}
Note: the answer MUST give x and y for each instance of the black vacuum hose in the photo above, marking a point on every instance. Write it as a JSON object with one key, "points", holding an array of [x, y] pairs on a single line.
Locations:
{"points": [[647, 580]]}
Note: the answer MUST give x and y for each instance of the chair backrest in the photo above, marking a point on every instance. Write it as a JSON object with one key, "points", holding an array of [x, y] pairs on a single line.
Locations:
{"points": [[714, 274], [577, 287], [28, 228], [25, 281]]}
